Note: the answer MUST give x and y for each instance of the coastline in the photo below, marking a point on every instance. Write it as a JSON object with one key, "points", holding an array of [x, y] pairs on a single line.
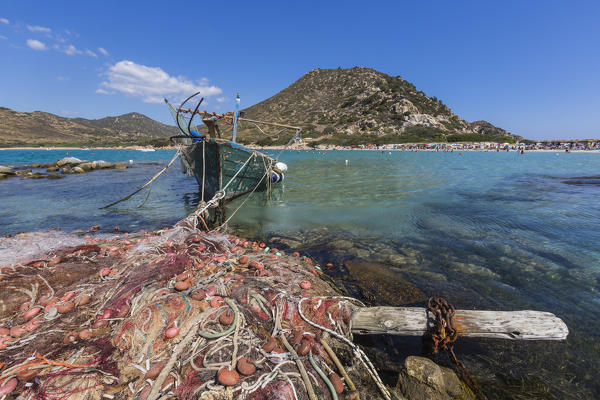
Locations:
{"points": [[306, 148]]}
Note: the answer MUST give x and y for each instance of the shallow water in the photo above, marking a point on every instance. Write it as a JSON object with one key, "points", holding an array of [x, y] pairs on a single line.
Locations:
{"points": [[486, 230]]}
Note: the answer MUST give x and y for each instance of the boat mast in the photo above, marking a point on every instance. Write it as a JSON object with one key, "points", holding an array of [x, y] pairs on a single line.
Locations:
{"points": [[235, 116]]}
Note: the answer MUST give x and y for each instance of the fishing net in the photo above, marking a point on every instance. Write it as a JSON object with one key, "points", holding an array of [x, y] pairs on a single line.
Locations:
{"points": [[178, 313]]}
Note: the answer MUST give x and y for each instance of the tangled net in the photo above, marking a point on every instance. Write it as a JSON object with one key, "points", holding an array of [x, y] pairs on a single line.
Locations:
{"points": [[178, 313]]}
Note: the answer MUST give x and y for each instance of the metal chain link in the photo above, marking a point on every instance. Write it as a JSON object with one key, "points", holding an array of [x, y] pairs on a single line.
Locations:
{"points": [[443, 334]]}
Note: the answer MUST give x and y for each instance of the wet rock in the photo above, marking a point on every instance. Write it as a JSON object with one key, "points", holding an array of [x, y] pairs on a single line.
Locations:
{"points": [[36, 165], [86, 166], [2, 176], [54, 176], [23, 172], [67, 170], [37, 175], [289, 242], [52, 168], [398, 259], [6, 170], [101, 164], [342, 244], [422, 379], [380, 283], [69, 161], [78, 170], [360, 253], [470, 268], [120, 165], [414, 253]]}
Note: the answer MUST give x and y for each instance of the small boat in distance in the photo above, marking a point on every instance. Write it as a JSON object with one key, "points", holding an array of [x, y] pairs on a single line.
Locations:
{"points": [[222, 165], [146, 150]]}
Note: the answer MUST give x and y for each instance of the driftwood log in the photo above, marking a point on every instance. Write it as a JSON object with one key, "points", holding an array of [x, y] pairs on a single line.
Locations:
{"points": [[412, 321]]}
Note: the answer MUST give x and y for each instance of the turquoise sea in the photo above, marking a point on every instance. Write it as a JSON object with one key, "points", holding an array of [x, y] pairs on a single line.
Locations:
{"points": [[497, 231]]}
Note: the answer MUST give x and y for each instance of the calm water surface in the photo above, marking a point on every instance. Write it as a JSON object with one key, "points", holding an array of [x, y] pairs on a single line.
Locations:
{"points": [[486, 230]]}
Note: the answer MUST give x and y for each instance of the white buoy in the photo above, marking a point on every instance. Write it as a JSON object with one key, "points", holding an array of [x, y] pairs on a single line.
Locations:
{"points": [[281, 166]]}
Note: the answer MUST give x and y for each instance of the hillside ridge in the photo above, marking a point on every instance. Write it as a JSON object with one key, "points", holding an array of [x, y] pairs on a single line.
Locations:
{"points": [[359, 104], [39, 128]]}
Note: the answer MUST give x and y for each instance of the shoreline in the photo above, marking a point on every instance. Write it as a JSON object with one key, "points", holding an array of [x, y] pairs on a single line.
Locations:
{"points": [[305, 148]]}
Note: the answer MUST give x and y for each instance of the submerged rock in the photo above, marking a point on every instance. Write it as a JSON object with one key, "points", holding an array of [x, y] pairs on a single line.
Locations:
{"points": [[2, 176], [422, 379], [54, 176], [52, 168], [291, 243], [342, 244], [380, 283]]}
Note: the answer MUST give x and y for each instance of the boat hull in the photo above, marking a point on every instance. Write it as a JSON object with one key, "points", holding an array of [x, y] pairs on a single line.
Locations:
{"points": [[217, 161]]}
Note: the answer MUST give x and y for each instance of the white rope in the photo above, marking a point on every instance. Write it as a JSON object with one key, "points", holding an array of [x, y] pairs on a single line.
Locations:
{"points": [[356, 350], [214, 202], [147, 183], [203, 167]]}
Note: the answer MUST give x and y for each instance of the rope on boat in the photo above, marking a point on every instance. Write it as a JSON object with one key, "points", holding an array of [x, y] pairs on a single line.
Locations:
{"points": [[203, 167], [214, 202], [145, 184]]}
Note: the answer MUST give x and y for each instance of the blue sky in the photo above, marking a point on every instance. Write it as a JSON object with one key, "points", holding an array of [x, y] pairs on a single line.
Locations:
{"points": [[531, 67]]}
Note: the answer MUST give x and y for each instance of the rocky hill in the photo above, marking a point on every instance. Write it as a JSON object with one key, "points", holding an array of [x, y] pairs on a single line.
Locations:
{"points": [[43, 129], [361, 105], [338, 106]]}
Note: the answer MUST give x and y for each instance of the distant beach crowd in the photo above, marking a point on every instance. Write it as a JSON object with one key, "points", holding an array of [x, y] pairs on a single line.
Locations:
{"points": [[487, 146]]}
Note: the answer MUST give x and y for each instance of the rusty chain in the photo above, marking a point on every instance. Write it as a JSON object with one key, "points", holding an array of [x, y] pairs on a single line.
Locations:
{"points": [[442, 336]]}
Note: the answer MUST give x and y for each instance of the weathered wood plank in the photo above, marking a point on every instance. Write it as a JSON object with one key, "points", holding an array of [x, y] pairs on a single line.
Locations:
{"points": [[413, 321]]}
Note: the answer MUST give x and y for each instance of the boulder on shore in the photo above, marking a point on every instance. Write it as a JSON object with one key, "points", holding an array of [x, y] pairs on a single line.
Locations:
{"points": [[422, 379]]}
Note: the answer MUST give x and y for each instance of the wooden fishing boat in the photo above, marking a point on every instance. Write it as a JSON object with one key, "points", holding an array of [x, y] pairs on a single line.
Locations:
{"points": [[223, 167]]}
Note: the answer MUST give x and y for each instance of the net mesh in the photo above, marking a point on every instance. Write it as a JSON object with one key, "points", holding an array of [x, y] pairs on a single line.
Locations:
{"points": [[178, 313]]}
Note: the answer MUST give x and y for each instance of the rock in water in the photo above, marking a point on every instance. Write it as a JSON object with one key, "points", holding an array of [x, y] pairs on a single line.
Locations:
{"points": [[68, 160], [2, 176], [422, 379], [78, 170], [86, 166], [101, 164], [53, 168], [6, 170], [120, 165], [379, 282], [54, 176]]}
